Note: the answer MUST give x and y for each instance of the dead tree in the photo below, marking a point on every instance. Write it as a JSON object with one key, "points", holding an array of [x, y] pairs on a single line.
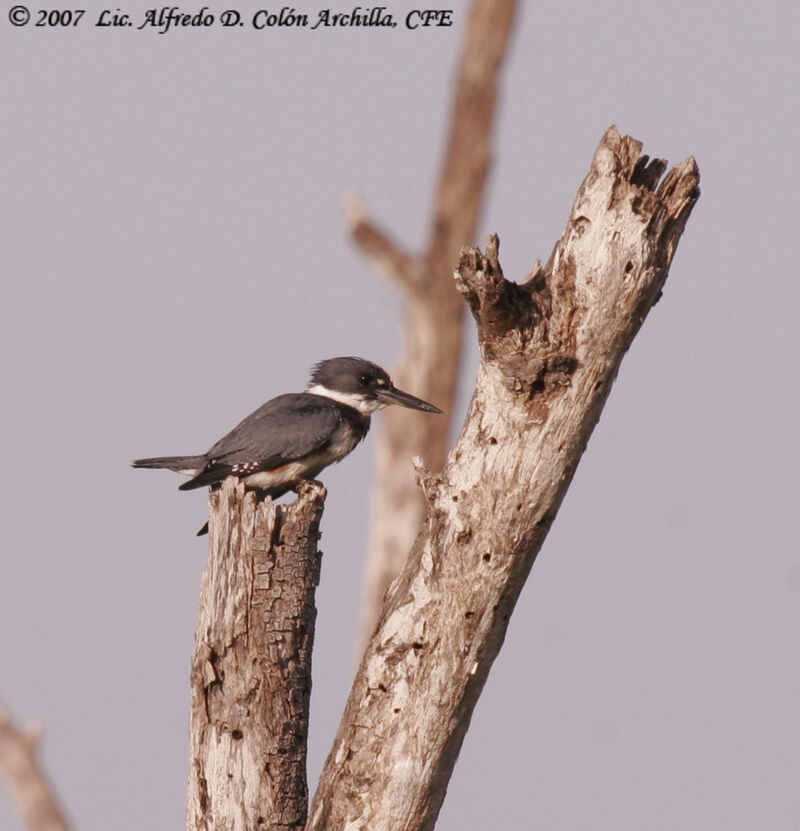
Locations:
{"points": [[550, 350], [433, 313]]}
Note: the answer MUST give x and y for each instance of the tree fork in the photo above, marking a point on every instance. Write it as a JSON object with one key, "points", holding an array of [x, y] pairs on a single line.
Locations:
{"points": [[251, 666], [550, 350]]}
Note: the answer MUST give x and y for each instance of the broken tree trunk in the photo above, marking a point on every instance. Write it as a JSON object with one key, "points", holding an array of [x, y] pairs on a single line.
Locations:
{"points": [[251, 667], [550, 350]]}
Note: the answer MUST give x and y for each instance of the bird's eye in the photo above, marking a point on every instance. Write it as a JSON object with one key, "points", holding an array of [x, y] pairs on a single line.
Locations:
{"points": [[364, 379]]}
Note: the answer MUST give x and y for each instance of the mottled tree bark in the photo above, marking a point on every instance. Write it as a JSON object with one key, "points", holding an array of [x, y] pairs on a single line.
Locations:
{"points": [[251, 667], [550, 349], [433, 313], [33, 796]]}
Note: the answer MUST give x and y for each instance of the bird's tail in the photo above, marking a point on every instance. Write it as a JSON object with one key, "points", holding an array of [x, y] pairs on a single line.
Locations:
{"points": [[188, 465]]}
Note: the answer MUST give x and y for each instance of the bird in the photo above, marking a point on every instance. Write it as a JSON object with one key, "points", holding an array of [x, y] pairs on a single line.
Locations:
{"points": [[293, 437]]}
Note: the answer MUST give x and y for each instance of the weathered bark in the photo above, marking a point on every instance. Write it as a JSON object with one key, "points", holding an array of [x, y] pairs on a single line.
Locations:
{"points": [[550, 349], [433, 312], [251, 667], [33, 796]]}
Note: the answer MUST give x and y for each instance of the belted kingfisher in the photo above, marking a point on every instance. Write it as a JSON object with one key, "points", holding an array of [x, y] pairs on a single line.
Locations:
{"points": [[294, 436]]}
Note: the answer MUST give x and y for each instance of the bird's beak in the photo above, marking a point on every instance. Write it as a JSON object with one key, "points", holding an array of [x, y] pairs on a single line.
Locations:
{"points": [[391, 395]]}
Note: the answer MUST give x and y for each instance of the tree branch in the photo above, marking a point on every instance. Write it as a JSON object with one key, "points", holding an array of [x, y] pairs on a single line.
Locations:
{"points": [[433, 313], [550, 349], [251, 667], [386, 256], [32, 794]]}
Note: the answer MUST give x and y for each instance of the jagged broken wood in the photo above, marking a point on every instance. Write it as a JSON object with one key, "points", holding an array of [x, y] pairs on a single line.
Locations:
{"points": [[550, 350], [251, 666]]}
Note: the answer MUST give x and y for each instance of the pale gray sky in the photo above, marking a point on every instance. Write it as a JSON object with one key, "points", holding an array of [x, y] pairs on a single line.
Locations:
{"points": [[174, 256]]}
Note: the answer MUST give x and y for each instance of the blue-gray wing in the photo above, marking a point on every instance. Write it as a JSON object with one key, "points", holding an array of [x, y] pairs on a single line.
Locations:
{"points": [[284, 429]]}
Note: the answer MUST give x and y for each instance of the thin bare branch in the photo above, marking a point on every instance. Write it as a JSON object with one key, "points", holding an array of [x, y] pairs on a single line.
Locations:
{"points": [[32, 794], [433, 313], [386, 257], [468, 153]]}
